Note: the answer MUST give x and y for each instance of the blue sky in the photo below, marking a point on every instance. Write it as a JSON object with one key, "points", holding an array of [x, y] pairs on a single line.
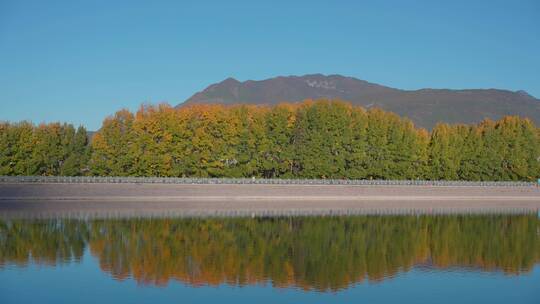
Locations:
{"points": [[79, 61]]}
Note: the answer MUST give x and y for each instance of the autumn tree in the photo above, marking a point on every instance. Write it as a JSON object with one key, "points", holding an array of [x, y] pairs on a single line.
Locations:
{"points": [[112, 146]]}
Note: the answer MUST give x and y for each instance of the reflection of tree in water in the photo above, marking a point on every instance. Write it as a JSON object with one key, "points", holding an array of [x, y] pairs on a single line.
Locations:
{"points": [[326, 253], [49, 242]]}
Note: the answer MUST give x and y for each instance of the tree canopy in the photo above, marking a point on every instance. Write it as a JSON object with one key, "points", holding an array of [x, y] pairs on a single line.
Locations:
{"points": [[313, 139], [46, 149]]}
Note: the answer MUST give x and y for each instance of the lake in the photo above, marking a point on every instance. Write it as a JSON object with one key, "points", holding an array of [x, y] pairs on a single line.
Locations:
{"points": [[332, 259]]}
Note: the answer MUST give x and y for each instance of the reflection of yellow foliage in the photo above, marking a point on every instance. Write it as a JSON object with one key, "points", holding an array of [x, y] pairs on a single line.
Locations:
{"points": [[308, 253]]}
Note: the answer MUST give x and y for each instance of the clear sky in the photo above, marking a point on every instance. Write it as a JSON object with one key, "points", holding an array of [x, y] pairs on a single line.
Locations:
{"points": [[79, 61]]}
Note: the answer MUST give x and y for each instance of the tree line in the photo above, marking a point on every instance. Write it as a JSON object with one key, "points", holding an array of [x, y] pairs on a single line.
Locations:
{"points": [[313, 139]]}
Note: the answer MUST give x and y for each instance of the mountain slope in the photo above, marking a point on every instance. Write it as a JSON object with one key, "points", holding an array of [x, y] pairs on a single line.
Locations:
{"points": [[425, 107]]}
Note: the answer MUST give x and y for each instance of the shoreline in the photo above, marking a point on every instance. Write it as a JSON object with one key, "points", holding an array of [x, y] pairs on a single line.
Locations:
{"points": [[49, 200]]}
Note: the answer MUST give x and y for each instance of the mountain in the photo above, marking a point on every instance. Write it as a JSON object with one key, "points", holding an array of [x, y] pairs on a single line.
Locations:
{"points": [[425, 107]]}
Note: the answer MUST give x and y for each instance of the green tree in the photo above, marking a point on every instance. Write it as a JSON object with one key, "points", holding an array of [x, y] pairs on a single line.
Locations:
{"points": [[322, 139], [445, 153], [77, 154], [277, 155]]}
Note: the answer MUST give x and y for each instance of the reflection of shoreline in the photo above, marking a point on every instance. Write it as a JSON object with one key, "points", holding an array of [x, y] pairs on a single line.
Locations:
{"points": [[126, 213], [325, 253]]}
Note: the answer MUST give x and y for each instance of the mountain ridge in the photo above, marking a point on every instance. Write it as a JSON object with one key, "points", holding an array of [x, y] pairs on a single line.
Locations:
{"points": [[425, 107]]}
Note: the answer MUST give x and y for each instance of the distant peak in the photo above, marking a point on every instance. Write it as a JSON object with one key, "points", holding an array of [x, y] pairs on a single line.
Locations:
{"points": [[230, 80], [318, 75], [323, 76], [524, 93]]}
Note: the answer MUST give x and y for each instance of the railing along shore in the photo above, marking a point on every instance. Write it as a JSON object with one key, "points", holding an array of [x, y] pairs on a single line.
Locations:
{"points": [[253, 181]]}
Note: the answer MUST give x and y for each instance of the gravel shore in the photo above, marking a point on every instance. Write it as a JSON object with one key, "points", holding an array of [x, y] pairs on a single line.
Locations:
{"points": [[101, 200]]}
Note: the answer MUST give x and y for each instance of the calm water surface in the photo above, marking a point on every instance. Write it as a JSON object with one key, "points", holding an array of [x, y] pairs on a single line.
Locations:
{"points": [[363, 259]]}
